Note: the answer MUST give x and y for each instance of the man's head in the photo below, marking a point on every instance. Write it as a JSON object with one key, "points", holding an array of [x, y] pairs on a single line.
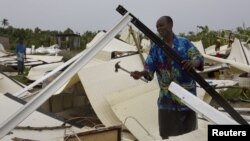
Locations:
{"points": [[164, 26], [20, 40]]}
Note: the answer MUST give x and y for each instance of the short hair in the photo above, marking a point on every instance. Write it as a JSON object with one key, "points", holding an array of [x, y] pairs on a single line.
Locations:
{"points": [[169, 20], [20, 40]]}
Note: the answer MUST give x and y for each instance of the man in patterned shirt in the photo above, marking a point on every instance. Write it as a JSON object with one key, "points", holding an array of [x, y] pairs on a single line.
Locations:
{"points": [[174, 117]]}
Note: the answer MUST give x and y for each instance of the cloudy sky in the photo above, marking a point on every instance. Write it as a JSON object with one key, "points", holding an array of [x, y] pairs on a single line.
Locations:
{"points": [[93, 15]]}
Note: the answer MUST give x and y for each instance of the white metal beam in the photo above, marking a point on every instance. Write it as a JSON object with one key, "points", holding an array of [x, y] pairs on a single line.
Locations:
{"points": [[200, 106], [40, 98], [19, 93]]}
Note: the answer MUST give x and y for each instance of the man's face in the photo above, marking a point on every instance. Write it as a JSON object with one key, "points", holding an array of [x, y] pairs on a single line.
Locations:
{"points": [[163, 27]]}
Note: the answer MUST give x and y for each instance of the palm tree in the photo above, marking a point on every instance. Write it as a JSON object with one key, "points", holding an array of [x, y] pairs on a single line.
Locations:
{"points": [[5, 22], [204, 35]]}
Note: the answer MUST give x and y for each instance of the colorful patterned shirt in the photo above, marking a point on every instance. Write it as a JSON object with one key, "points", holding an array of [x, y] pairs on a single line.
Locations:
{"points": [[158, 62]]}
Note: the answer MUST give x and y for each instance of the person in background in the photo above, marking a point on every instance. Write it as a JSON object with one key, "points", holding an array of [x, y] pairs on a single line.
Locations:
{"points": [[21, 56], [230, 42], [174, 117], [217, 48]]}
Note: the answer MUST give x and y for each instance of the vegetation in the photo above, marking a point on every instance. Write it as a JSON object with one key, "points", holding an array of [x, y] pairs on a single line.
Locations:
{"points": [[22, 79], [236, 97], [237, 94], [5, 22], [40, 37], [37, 36], [209, 37]]}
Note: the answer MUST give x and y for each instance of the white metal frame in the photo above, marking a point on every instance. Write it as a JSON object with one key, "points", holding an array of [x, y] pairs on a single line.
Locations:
{"points": [[200, 106], [46, 93], [19, 93]]}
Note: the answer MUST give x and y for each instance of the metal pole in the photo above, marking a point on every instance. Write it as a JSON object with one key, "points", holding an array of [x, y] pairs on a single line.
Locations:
{"points": [[19, 93], [46, 93], [178, 60]]}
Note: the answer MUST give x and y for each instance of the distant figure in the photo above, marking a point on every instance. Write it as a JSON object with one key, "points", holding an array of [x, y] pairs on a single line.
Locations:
{"points": [[230, 42], [230, 39], [21, 56], [217, 48]]}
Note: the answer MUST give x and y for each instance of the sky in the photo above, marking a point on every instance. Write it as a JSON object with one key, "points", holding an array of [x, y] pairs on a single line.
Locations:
{"points": [[94, 15]]}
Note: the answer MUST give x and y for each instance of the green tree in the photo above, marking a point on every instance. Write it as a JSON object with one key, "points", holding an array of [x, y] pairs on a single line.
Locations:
{"points": [[5, 22], [87, 37]]}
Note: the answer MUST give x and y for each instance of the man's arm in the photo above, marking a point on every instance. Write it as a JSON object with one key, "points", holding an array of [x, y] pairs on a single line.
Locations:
{"points": [[188, 64], [195, 60]]}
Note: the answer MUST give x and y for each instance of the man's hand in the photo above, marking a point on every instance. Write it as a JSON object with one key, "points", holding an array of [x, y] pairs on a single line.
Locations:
{"points": [[189, 64], [136, 74]]}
